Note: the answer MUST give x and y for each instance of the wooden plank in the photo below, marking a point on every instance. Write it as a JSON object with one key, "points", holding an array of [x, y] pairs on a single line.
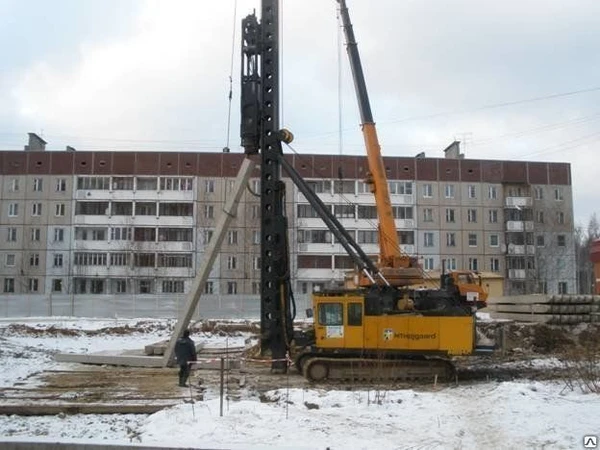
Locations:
{"points": [[35, 409]]}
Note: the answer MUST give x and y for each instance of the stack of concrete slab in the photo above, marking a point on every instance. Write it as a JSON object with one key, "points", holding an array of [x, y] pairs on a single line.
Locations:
{"points": [[544, 308]]}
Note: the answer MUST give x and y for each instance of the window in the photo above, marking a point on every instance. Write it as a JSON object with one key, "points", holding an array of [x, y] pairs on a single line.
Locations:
{"points": [[539, 193], [231, 287], [473, 264], [472, 215], [120, 234], [367, 212], [255, 212], [145, 286], [57, 285], [427, 191], [562, 287], [14, 185], [207, 236], [451, 239], [209, 211], [209, 186], [173, 286], [37, 184], [428, 264], [9, 260], [146, 184], [59, 209], [561, 240], [472, 191], [93, 183], [539, 216], [97, 286], [539, 241], [255, 237], [33, 285], [176, 184], [122, 183], [314, 237], [89, 259], [173, 209], [493, 216], [558, 194], [403, 212], [35, 234], [36, 209], [406, 237], [354, 314], [450, 263], [116, 209], [400, 187], [560, 217], [331, 314], [494, 264], [90, 234], [34, 259], [256, 186], [450, 215], [61, 185], [119, 286], [368, 237], [494, 240], [472, 240], [428, 240], [13, 210], [344, 211], [175, 234], [80, 285], [428, 215], [58, 260], [321, 186], [175, 260], [147, 209], [144, 234], [94, 208], [231, 262], [11, 235], [492, 192], [232, 237], [9, 285], [256, 263], [307, 211], [449, 191], [144, 260], [119, 259], [209, 287], [343, 187]]}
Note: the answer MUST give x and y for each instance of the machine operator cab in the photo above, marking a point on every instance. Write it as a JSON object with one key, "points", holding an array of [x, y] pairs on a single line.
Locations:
{"points": [[467, 285]]}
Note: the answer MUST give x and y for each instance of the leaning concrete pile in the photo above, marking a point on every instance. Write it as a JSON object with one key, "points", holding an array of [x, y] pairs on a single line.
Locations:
{"points": [[550, 309]]}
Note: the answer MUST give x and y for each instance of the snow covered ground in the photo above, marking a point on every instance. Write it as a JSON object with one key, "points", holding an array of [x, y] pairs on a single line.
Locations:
{"points": [[509, 415]]}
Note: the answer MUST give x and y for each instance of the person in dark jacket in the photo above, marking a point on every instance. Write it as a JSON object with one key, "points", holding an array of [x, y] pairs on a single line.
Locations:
{"points": [[185, 351]]}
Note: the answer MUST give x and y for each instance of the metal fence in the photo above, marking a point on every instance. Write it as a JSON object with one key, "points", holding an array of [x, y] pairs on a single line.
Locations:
{"points": [[134, 306]]}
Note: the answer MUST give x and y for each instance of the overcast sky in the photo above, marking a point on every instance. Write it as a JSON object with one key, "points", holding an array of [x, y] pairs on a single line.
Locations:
{"points": [[510, 79]]}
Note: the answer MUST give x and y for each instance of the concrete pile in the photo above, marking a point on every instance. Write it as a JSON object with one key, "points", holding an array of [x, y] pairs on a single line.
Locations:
{"points": [[545, 308]]}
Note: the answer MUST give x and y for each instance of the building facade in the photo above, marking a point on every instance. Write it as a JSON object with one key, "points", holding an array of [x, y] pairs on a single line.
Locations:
{"points": [[122, 223]]}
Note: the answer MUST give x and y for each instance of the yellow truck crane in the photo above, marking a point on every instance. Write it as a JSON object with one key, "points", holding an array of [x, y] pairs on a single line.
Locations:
{"points": [[381, 327]]}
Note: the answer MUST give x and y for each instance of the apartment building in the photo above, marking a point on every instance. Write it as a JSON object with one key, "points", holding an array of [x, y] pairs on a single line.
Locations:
{"points": [[120, 223]]}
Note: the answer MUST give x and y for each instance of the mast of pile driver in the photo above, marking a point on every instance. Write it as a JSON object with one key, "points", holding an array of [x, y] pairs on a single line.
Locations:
{"points": [[399, 268]]}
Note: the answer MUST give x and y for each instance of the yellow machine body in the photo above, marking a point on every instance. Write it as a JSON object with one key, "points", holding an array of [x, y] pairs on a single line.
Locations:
{"points": [[340, 324]]}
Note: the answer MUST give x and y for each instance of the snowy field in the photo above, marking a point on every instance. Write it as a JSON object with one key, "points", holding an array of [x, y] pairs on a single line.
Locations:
{"points": [[508, 415]]}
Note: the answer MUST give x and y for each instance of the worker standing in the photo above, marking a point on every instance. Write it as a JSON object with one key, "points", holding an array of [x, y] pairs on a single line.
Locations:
{"points": [[185, 352]]}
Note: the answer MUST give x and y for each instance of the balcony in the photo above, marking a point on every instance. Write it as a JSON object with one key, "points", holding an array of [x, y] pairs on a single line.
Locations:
{"points": [[519, 225], [518, 202], [514, 249]]}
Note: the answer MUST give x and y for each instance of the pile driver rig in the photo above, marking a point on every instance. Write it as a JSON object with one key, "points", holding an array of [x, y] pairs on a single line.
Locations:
{"points": [[380, 327]]}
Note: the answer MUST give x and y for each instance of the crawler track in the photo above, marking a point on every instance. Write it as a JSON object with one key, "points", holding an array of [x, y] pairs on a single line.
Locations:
{"points": [[319, 369]]}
